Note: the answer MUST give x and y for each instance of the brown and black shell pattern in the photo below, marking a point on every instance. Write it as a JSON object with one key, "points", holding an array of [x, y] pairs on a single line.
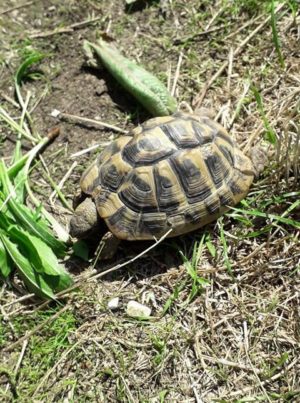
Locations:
{"points": [[180, 172]]}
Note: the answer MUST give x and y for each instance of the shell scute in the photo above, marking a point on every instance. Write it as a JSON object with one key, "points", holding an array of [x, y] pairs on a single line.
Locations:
{"points": [[179, 172]]}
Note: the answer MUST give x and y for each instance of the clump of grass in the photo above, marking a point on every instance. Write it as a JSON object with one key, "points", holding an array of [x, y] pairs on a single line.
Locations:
{"points": [[191, 265], [270, 134]]}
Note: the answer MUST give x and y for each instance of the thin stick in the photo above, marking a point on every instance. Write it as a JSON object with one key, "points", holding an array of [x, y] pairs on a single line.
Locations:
{"points": [[177, 72], [231, 364], [246, 346], [214, 17], [273, 378], [119, 266], [199, 98], [239, 104], [65, 30], [36, 329], [230, 64], [242, 27], [80, 119], [61, 183], [20, 357], [196, 394], [91, 276], [131, 399], [180, 41], [9, 10], [10, 100], [86, 150], [21, 299], [169, 76]]}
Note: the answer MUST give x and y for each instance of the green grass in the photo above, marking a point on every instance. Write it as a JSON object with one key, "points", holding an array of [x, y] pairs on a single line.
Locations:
{"points": [[43, 350], [270, 133], [275, 35]]}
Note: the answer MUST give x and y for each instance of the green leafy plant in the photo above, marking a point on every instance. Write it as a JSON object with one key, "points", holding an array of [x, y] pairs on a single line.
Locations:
{"points": [[27, 242], [144, 86]]}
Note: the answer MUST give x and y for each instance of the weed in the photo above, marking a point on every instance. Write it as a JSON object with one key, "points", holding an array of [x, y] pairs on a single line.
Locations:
{"points": [[275, 35], [270, 134]]}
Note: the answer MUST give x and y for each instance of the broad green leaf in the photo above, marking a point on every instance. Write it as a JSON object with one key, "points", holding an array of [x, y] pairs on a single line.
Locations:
{"points": [[5, 220], [5, 262], [19, 185], [81, 250], [33, 280], [24, 216], [3, 207], [40, 255], [144, 86]]}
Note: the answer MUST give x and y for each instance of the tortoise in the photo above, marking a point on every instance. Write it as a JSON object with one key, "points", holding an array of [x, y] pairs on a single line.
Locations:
{"points": [[177, 173]]}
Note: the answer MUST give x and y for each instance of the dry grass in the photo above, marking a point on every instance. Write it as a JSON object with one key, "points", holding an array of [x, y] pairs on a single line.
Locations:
{"points": [[225, 317]]}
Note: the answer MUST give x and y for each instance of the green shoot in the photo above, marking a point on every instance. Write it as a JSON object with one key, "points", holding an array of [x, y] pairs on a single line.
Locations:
{"points": [[273, 217], [198, 282], [275, 35], [178, 288], [22, 74], [270, 134], [225, 247]]}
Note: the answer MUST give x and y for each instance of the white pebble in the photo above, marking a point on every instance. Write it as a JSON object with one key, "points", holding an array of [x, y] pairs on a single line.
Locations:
{"points": [[137, 310], [55, 113], [113, 303]]}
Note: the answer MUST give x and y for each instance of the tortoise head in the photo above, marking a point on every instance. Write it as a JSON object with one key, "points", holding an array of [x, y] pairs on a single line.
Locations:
{"points": [[85, 220]]}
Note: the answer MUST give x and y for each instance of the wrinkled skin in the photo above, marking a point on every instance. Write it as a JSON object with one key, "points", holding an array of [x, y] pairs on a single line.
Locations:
{"points": [[86, 222]]}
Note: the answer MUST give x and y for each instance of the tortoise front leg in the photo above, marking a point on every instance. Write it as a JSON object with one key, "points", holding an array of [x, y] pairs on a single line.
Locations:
{"points": [[108, 246]]}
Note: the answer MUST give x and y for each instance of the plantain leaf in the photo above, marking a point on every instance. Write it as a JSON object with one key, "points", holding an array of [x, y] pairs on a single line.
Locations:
{"points": [[81, 249], [19, 185], [5, 262], [25, 217], [40, 255], [33, 280], [144, 86]]}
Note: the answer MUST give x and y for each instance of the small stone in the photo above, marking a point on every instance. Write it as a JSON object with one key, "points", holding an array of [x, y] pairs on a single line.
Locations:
{"points": [[55, 113], [137, 310], [113, 303]]}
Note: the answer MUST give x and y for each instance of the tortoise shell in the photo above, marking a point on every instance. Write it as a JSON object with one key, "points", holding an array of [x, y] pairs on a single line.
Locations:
{"points": [[180, 172]]}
